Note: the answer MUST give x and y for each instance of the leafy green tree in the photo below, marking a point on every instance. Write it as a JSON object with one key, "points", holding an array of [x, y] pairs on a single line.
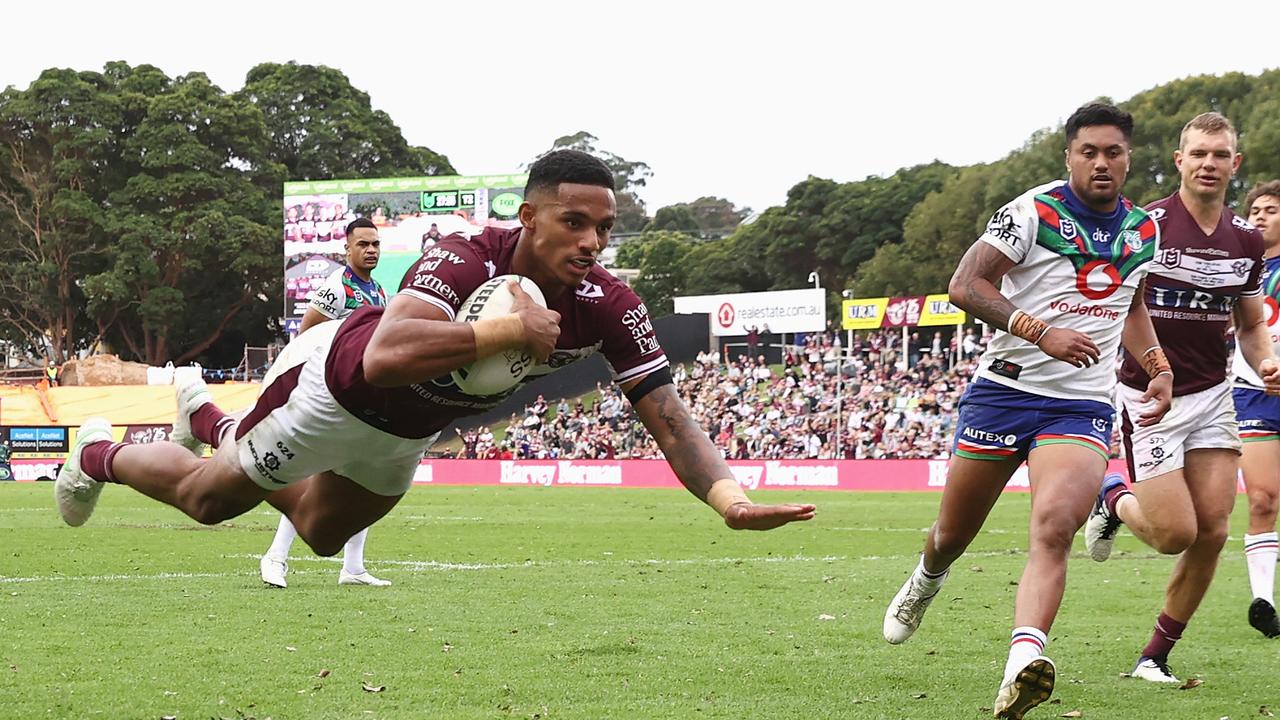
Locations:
{"points": [[629, 176], [320, 127], [58, 159], [936, 233], [708, 216], [677, 218], [660, 256], [195, 242]]}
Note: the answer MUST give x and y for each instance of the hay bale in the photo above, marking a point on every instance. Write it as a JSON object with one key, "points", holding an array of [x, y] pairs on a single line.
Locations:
{"points": [[103, 370]]}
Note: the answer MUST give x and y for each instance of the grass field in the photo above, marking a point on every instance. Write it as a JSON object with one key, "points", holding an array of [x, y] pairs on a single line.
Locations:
{"points": [[577, 603]]}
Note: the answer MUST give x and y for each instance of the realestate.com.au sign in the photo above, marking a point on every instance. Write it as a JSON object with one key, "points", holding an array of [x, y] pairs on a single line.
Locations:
{"points": [[784, 311]]}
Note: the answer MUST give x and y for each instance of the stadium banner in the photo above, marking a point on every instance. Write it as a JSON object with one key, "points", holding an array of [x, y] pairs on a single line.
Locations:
{"points": [[411, 213], [784, 311], [864, 314], [895, 312], [856, 475], [938, 310], [52, 443]]}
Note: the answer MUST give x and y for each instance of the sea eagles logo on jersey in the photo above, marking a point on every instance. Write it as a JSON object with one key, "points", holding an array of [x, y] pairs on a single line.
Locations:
{"points": [[1068, 229], [589, 290], [1241, 267], [491, 267]]}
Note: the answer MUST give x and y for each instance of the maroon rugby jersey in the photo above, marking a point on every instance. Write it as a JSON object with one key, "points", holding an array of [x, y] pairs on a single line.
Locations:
{"points": [[1192, 288], [602, 313]]}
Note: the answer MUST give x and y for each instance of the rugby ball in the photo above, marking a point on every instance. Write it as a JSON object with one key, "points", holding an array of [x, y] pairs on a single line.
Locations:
{"points": [[499, 373]]}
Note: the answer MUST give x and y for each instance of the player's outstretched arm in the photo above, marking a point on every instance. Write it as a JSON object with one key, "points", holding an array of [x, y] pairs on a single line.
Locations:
{"points": [[698, 464], [1139, 338], [973, 289], [1255, 341]]}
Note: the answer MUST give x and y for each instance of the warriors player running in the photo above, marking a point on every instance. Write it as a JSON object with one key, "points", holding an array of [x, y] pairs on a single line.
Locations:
{"points": [[1069, 258], [345, 290], [1184, 468], [333, 441], [1258, 415]]}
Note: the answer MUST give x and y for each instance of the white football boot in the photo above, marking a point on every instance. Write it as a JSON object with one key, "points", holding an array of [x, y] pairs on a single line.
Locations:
{"points": [[75, 492]]}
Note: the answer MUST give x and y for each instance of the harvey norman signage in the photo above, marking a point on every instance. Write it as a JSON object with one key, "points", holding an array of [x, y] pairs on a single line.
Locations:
{"points": [[784, 311]]}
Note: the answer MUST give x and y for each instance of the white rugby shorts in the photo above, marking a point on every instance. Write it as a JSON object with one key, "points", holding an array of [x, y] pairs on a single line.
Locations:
{"points": [[1199, 421], [297, 428]]}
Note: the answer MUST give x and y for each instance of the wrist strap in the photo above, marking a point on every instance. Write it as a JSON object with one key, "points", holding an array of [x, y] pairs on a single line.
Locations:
{"points": [[725, 493], [493, 335], [1028, 327], [1155, 362]]}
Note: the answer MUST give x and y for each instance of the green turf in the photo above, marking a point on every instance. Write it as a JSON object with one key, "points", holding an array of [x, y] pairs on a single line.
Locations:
{"points": [[576, 603]]}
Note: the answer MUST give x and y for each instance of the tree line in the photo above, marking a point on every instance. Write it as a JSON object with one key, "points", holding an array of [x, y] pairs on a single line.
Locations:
{"points": [[903, 234], [143, 210]]}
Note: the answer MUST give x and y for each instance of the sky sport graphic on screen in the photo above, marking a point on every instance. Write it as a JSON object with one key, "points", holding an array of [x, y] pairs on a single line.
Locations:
{"points": [[411, 213]]}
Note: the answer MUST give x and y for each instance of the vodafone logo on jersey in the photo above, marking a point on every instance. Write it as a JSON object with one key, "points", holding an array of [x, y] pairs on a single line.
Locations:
{"points": [[725, 315], [1098, 280], [1097, 311]]}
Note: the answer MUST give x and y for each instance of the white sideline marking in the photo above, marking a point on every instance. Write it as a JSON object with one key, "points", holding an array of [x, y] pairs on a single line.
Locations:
{"points": [[429, 565]]}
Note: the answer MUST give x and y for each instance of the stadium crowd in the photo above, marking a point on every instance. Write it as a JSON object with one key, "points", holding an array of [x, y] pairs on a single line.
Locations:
{"points": [[801, 408]]}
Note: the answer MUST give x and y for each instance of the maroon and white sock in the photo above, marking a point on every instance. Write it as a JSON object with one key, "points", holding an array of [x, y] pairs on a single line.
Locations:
{"points": [[1112, 498], [209, 424], [96, 459], [1168, 631]]}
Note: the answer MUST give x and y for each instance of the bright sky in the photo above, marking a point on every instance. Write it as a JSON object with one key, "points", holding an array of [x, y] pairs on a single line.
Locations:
{"points": [[736, 99]]}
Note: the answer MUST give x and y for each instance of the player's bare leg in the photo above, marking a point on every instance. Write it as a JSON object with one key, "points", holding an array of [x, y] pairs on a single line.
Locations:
{"points": [[1261, 465], [1062, 494], [328, 509], [972, 488], [1212, 483], [1210, 487], [208, 491], [1161, 512]]}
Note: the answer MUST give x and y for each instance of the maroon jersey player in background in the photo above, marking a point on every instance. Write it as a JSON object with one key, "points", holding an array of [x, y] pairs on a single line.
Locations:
{"points": [[1183, 468]]}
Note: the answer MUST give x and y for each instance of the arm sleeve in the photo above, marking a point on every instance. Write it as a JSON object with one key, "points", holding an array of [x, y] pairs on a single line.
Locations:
{"points": [[1012, 229], [629, 342], [330, 299], [445, 275]]}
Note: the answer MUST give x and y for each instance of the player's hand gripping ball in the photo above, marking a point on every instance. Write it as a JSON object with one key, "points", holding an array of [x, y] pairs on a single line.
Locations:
{"points": [[498, 373]]}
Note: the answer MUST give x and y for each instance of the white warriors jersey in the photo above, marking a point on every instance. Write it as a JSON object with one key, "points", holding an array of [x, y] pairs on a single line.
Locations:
{"points": [[1075, 269], [1245, 375]]}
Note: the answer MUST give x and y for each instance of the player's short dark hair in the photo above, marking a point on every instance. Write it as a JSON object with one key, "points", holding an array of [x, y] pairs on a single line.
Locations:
{"points": [[1270, 188], [359, 223], [568, 166], [1099, 114]]}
